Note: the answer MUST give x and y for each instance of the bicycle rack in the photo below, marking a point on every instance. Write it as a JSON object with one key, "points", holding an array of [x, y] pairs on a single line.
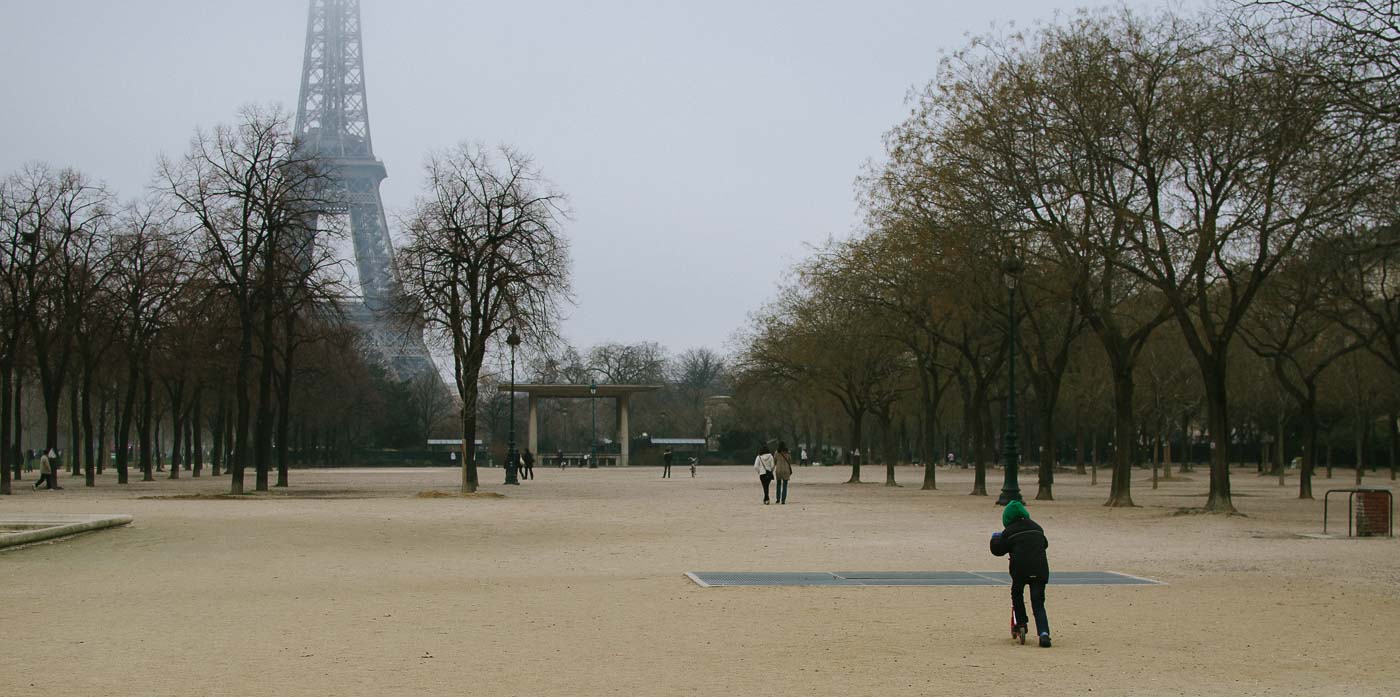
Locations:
{"points": [[1351, 502]]}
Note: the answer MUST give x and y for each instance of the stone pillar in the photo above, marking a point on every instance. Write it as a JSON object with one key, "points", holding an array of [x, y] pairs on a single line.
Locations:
{"points": [[532, 430], [624, 432]]}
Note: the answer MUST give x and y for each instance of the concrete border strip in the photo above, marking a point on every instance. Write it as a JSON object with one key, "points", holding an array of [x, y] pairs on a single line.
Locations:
{"points": [[56, 527]]}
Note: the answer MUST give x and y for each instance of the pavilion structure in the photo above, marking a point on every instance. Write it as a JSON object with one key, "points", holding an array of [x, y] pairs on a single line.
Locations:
{"points": [[621, 394]]}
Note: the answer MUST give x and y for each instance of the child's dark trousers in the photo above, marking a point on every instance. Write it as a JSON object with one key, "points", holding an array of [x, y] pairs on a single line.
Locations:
{"points": [[1018, 602]]}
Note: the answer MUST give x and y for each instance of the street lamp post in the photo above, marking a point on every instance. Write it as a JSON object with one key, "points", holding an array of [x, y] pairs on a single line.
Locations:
{"points": [[1011, 268], [593, 392], [512, 457]]}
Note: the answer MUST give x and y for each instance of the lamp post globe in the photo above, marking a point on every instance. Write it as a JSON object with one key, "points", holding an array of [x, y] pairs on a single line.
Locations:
{"points": [[512, 457], [593, 458], [1011, 268]]}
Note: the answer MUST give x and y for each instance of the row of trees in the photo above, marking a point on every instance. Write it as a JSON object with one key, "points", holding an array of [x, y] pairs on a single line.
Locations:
{"points": [[1165, 191], [213, 305]]}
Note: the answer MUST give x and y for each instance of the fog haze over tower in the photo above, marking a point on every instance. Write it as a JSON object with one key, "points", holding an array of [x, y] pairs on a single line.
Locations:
{"points": [[333, 122]]}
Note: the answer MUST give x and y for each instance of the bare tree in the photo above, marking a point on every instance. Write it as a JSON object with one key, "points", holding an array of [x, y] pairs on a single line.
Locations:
{"points": [[1360, 39], [807, 338], [243, 191], [431, 403], [149, 267], [63, 225], [629, 364], [1289, 327], [696, 373], [485, 255]]}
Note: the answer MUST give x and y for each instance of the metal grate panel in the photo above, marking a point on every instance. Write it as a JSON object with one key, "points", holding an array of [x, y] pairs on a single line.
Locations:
{"points": [[906, 578]]}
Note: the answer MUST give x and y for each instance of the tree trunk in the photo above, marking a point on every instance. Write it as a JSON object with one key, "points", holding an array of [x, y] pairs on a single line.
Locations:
{"points": [[188, 438], [159, 453], [1167, 456], [262, 458], [285, 398], [51, 387], [177, 427], [145, 425], [1120, 488], [1094, 462], [1046, 480], [1078, 450], [102, 453], [978, 447], [89, 456], [216, 431], [17, 435], [1218, 418], [889, 455], [1259, 451], [1185, 442], [1360, 451], [75, 433], [7, 451], [929, 432], [196, 436], [241, 420], [467, 417], [229, 441], [1309, 416], [124, 417], [1394, 442], [857, 419], [1154, 453]]}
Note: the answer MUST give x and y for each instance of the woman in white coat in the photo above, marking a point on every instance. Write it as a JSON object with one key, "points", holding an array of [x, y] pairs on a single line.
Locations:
{"points": [[764, 465]]}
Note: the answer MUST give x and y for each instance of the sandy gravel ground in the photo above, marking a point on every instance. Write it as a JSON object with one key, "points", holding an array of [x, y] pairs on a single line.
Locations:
{"points": [[349, 584]]}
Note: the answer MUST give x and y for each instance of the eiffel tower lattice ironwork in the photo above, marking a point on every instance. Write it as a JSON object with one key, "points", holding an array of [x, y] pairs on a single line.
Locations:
{"points": [[333, 122]]}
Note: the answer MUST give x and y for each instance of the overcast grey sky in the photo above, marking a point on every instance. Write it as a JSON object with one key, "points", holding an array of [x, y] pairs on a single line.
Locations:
{"points": [[702, 143]]}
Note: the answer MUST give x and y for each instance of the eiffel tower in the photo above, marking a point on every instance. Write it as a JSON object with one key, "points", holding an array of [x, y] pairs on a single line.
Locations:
{"points": [[333, 122]]}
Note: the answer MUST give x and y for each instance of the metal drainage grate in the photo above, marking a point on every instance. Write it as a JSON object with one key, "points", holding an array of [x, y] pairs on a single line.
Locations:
{"points": [[906, 578]]}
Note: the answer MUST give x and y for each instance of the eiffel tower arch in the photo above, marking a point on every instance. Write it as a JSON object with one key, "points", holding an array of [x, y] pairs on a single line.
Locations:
{"points": [[333, 122]]}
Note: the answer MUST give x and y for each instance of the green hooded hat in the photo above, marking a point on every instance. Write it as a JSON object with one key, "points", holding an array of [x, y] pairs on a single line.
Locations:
{"points": [[1014, 511]]}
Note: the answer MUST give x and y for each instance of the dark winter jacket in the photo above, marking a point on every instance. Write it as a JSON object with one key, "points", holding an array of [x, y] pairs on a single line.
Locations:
{"points": [[1026, 543]]}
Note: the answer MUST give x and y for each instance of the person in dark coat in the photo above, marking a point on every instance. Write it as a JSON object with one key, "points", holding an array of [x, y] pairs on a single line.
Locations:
{"points": [[666, 464], [529, 465], [1025, 541]]}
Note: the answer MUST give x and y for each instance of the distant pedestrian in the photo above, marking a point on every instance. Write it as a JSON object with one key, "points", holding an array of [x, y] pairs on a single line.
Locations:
{"points": [[47, 465], [803, 459], [529, 465], [693, 462], [764, 465], [782, 471], [29, 464], [560, 454], [666, 464]]}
